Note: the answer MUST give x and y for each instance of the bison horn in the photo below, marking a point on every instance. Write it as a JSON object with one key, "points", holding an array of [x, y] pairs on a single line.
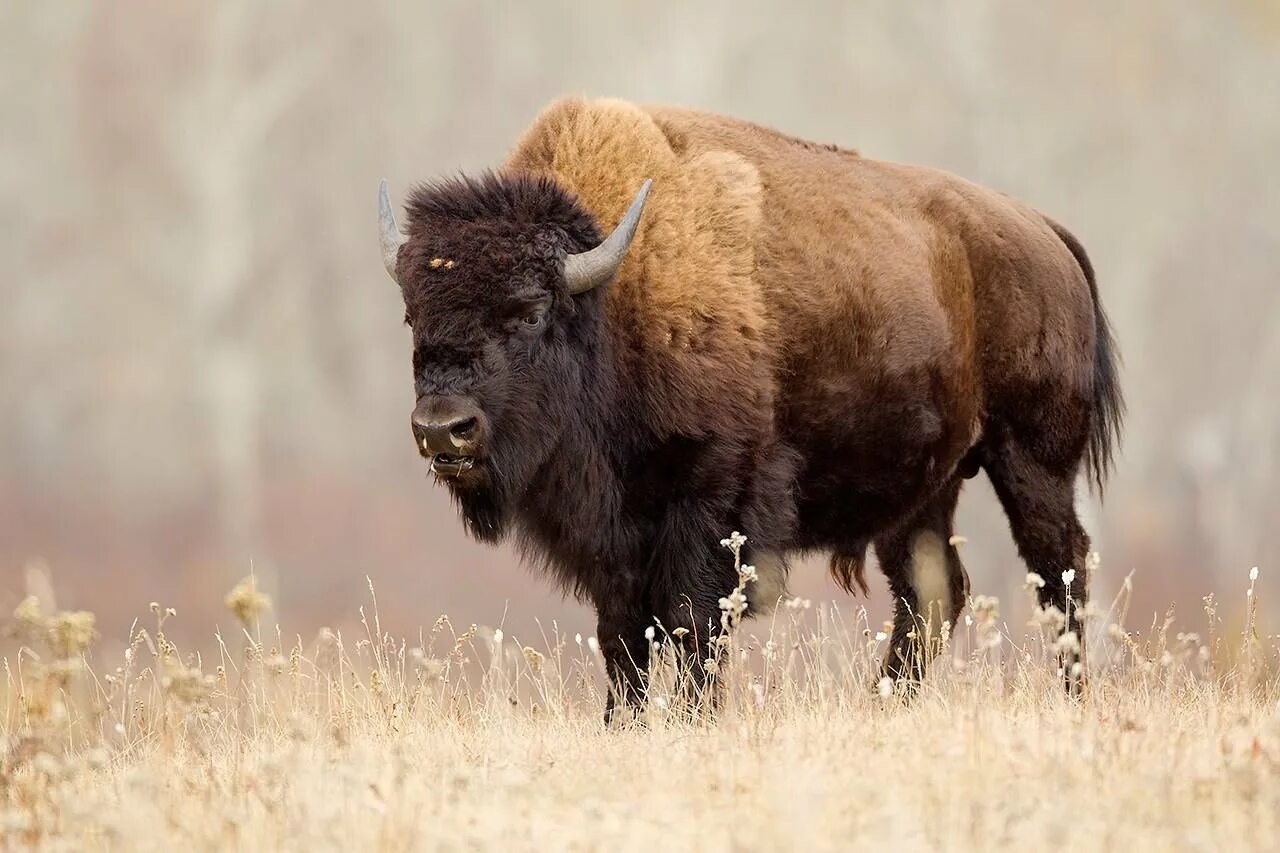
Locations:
{"points": [[589, 269], [389, 232]]}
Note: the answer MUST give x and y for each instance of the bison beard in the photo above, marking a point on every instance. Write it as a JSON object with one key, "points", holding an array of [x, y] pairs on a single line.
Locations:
{"points": [[484, 513], [789, 339]]}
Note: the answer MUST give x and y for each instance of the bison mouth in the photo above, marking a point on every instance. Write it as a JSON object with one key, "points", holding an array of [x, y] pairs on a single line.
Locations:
{"points": [[448, 465]]}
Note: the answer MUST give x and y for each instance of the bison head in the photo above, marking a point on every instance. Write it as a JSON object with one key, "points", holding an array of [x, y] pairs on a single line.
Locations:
{"points": [[501, 280]]}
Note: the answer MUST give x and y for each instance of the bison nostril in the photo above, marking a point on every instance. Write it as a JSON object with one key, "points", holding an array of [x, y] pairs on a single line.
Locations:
{"points": [[464, 430], [448, 426]]}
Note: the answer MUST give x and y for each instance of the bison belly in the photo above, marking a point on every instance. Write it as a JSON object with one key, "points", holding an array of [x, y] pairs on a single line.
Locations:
{"points": [[873, 452]]}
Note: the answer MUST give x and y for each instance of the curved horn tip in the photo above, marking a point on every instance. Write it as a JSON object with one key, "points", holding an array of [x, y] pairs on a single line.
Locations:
{"points": [[586, 270], [389, 233]]}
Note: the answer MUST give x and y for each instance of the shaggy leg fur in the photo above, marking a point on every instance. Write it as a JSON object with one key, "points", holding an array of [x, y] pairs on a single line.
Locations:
{"points": [[626, 658], [1040, 503], [700, 575], [928, 582]]}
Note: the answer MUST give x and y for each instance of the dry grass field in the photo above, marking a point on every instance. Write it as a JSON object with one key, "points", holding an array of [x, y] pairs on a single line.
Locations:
{"points": [[460, 738]]}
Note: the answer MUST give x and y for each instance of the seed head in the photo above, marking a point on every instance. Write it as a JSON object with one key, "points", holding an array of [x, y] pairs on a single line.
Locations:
{"points": [[246, 602], [72, 632], [28, 611], [734, 603]]}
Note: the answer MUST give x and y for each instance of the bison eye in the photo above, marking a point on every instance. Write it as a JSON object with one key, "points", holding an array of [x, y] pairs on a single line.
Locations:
{"points": [[531, 316]]}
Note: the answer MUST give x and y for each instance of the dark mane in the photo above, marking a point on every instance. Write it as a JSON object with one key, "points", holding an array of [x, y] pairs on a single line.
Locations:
{"points": [[513, 197]]}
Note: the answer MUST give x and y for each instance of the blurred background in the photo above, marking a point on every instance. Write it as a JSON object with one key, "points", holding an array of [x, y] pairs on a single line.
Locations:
{"points": [[203, 367]]}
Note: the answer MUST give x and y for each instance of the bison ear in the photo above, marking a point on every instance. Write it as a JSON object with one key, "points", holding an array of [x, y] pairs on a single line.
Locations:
{"points": [[592, 268], [388, 231]]}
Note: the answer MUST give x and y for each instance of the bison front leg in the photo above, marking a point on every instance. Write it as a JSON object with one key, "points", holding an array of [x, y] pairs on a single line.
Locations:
{"points": [[626, 658], [689, 620]]}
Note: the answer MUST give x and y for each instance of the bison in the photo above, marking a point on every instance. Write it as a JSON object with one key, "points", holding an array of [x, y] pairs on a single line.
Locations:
{"points": [[654, 325]]}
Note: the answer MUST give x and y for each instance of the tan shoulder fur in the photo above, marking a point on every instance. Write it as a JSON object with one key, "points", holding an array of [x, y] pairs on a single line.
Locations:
{"points": [[685, 304]]}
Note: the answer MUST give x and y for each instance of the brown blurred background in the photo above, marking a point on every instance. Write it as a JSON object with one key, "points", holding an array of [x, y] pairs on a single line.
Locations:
{"points": [[203, 366]]}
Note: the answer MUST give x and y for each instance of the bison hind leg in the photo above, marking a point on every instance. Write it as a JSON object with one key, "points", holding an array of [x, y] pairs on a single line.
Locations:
{"points": [[928, 581], [1038, 496]]}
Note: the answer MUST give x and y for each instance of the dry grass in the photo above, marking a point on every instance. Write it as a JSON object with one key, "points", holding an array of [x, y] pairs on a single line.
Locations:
{"points": [[461, 739]]}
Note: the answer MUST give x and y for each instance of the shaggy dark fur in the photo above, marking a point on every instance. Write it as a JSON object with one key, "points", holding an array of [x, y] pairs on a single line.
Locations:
{"points": [[896, 331]]}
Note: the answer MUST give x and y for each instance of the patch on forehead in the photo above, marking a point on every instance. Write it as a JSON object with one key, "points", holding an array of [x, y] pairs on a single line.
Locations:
{"points": [[446, 263], [771, 585], [929, 578]]}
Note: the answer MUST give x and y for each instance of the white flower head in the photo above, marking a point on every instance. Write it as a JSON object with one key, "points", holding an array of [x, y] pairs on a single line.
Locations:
{"points": [[1048, 617], [1253, 573], [735, 602], [1034, 581], [881, 636], [497, 636], [885, 687], [649, 633], [1069, 576], [1068, 643]]}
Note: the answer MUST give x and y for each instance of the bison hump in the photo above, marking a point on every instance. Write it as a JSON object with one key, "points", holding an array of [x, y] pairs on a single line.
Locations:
{"points": [[685, 308]]}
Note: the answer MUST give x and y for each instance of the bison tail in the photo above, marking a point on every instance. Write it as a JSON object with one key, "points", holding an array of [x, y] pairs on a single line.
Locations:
{"points": [[1108, 400]]}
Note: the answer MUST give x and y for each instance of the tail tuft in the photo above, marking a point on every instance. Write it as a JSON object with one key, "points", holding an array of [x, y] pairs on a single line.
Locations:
{"points": [[849, 568], [1108, 400]]}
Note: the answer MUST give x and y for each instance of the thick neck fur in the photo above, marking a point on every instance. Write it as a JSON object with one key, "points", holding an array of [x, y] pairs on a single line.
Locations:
{"points": [[569, 516]]}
